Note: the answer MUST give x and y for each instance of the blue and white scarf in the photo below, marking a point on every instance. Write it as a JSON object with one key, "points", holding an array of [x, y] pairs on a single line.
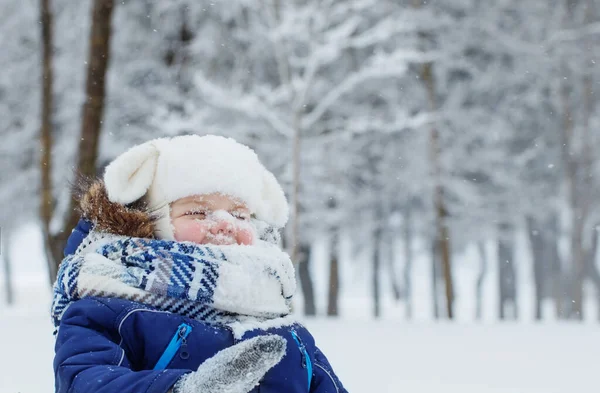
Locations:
{"points": [[209, 283]]}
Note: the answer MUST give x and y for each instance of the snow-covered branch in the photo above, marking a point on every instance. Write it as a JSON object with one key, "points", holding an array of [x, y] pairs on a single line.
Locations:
{"points": [[248, 105], [383, 67]]}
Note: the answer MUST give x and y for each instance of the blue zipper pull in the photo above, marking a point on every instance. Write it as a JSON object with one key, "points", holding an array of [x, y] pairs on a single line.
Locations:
{"points": [[183, 333], [178, 341]]}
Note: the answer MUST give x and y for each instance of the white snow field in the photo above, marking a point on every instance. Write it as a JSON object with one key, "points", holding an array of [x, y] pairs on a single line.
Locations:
{"points": [[382, 357]]}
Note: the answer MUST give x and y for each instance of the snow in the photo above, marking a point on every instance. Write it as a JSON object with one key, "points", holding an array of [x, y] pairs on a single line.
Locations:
{"points": [[465, 358], [384, 356]]}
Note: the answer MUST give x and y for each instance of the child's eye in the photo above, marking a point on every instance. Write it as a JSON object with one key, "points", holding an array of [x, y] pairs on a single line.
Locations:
{"points": [[241, 216], [196, 213]]}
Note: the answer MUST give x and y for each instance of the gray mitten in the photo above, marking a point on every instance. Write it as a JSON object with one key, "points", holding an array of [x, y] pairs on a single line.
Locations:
{"points": [[237, 369]]}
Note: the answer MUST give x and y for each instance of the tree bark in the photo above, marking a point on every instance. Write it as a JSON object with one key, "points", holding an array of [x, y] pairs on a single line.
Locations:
{"points": [[591, 268], [577, 255], [480, 279], [93, 108], [391, 257], [441, 214], [376, 268], [570, 171], [536, 239], [46, 199], [543, 237], [587, 176], [435, 275], [574, 179], [557, 277], [93, 111], [444, 240], [506, 272], [408, 256], [440, 210], [8, 277], [334, 279], [306, 280], [295, 208]]}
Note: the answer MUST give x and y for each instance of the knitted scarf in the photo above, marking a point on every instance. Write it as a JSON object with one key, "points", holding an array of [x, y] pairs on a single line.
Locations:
{"points": [[214, 284]]}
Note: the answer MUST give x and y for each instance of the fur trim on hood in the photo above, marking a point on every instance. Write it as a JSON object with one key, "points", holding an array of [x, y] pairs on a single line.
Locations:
{"points": [[130, 220]]}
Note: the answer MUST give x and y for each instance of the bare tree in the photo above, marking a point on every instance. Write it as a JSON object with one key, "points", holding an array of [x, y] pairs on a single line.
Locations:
{"points": [[483, 269], [8, 277], [391, 256], [506, 271], [591, 268], [47, 202], [308, 292], [93, 109], [408, 256], [586, 177], [377, 257], [536, 238], [334, 277], [548, 281], [440, 210], [576, 150]]}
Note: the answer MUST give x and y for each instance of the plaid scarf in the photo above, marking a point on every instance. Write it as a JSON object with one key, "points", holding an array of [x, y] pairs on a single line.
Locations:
{"points": [[217, 284]]}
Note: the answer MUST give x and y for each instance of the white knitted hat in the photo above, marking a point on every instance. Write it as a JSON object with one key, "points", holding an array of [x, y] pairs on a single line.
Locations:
{"points": [[167, 169]]}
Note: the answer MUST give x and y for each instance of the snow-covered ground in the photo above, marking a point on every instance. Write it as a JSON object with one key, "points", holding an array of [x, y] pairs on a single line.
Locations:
{"points": [[382, 357]]}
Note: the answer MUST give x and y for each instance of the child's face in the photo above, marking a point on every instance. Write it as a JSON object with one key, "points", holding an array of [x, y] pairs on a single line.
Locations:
{"points": [[212, 219]]}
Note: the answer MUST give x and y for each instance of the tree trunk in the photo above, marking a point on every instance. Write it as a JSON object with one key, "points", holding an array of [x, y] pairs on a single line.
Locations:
{"points": [[543, 237], [557, 285], [435, 275], [480, 278], [334, 279], [570, 171], [591, 268], [573, 176], [444, 240], [577, 254], [8, 277], [46, 200], [295, 208], [391, 257], [540, 261], [586, 171], [408, 256], [506, 272], [376, 269], [306, 280], [441, 213], [93, 111]]}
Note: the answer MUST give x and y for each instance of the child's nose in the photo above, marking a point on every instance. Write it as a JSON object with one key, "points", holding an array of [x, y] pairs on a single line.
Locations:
{"points": [[222, 227]]}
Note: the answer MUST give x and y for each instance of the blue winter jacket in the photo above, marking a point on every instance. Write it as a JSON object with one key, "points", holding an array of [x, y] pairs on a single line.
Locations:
{"points": [[113, 345]]}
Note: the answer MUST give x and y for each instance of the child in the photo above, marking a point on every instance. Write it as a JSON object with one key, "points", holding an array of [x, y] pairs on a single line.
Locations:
{"points": [[180, 286]]}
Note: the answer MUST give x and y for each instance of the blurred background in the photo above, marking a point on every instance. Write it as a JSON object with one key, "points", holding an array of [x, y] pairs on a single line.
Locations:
{"points": [[440, 159]]}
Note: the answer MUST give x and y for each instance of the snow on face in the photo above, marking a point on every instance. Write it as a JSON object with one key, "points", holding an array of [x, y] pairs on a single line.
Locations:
{"points": [[212, 219]]}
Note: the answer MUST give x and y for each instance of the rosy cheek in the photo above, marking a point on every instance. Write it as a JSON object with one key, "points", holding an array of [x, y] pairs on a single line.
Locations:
{"points": [[189, 230], [245, 237]]}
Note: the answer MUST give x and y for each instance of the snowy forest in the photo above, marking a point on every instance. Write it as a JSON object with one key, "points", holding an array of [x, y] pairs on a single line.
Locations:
{"points": [[437, 155]]}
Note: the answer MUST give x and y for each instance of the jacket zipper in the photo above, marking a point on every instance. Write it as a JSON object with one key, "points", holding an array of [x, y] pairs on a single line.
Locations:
{"points": [[306, 362], [179, 341]]}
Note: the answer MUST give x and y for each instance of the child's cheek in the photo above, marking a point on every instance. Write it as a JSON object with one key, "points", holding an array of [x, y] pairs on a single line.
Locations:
{"points": [[190, 231], [245, 237]]}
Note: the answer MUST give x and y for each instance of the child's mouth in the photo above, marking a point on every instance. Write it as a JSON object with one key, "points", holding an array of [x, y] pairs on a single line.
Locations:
{"points": [[219, 240]]}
